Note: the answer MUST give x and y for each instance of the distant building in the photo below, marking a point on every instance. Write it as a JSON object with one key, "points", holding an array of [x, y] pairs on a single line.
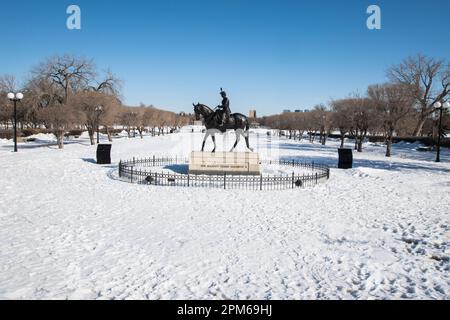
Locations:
{"points": [[252, 114], [298, 110], [286, 111]]}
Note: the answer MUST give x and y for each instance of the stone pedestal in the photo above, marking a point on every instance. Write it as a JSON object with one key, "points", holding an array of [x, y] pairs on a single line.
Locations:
{"points": [[233, 163]]}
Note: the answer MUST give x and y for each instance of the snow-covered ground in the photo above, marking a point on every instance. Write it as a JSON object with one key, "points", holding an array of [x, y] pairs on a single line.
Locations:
{"points": [[70, 229]]}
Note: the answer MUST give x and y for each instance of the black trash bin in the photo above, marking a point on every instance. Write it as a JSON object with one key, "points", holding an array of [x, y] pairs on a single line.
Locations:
{"points": [[104, 154], [345, 159]]}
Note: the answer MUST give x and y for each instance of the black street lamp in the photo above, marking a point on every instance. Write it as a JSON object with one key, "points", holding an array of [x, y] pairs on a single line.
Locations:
{"points": [[15, 97], [98, 110], [439, 106]]}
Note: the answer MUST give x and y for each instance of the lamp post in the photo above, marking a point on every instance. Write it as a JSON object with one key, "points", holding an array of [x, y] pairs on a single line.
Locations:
{"points": [[439, 106], [14, 97], [98, 110]]}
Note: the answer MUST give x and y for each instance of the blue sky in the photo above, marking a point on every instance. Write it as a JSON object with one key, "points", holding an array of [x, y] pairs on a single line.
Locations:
{"points": [[270, 55]]}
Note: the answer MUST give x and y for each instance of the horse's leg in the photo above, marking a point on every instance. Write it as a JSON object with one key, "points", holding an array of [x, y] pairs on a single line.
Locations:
{"points": [[204, 140], [246, 136], [238, 137], [214, 140]]}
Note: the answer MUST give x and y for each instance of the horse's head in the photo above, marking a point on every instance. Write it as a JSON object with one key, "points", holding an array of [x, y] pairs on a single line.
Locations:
{"points": [[202, 110], [197, 111]]}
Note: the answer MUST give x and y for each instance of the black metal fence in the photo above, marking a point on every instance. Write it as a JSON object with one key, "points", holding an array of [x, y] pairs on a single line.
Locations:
{"points": [[137, 171]]}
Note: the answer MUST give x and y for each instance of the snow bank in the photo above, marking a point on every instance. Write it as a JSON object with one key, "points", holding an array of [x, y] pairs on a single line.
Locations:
{"points": [[41, 137]]}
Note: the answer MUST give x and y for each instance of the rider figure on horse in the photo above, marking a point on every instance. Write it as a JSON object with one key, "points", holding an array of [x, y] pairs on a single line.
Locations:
{"points": [[224, 109]]}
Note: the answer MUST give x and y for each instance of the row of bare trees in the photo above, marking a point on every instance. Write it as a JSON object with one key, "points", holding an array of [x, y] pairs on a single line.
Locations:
{"points": [[149, 118], [404, 106], [65, 92]]}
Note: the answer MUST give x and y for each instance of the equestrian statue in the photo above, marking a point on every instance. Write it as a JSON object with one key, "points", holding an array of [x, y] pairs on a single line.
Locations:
{"points": [[221, 119]]}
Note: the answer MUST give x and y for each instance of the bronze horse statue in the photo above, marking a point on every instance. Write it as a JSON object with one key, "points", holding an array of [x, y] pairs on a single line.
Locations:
{"points": [[238, 122]]}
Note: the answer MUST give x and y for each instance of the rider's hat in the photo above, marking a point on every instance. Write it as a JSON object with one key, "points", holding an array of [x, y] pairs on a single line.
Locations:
{"points": [[222, 92]]}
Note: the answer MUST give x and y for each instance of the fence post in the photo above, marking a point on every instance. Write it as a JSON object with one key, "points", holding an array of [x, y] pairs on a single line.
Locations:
{"points": [[153, 160], [316, 177], [131, 174], [188, 179], [224, 180], [156, 181], [293, 179], [328, 173], [260, 182], [120, 169], [134, 161]]}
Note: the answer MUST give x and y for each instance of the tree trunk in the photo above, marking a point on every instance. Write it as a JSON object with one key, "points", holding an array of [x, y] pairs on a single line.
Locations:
{"points": [[360, 142], [91, 135], [60, 139], [342, 140], [389, 142], [388, 146], [108, 132], [418, 130]]}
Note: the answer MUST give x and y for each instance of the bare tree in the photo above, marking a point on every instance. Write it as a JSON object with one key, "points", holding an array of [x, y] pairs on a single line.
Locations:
{"points": [[342, 117], [140, 121], [129, 119], [312, 125], [149, 119], [111, 111], [362, 113], [7, 84], [44, 97], [429, 79], [55, 80], [59, 119], [39, 94], [297, 123], [90, 106], [392, 103], [322, 122], [68, 72], [110, 85]]}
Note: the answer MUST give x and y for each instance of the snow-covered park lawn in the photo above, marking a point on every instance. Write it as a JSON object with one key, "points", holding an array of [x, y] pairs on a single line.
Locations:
{"points": [[70, 229]]}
